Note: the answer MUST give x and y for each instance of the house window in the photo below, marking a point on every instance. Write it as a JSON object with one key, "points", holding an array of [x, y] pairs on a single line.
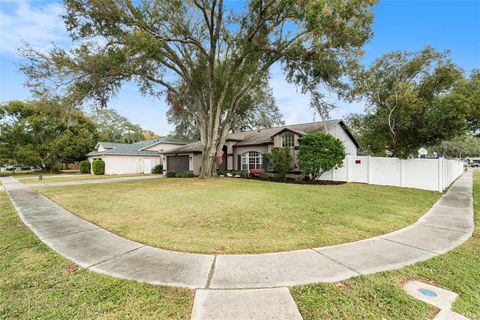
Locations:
{"points": [[287, 140], [252, 160]]}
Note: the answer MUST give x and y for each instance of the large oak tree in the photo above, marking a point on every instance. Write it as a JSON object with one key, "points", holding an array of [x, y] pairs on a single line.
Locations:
{"points": [[412, 101], [217, 54]]}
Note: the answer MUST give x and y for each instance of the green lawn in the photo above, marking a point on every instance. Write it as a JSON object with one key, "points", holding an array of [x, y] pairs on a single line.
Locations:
{"points": [[242, 216], [73, 177], [380, 296], [36, 283]]}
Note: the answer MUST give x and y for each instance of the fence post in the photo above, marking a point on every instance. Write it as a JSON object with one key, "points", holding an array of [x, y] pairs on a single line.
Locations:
{"points": [[440, 174], [369, 170], [402, 172]]}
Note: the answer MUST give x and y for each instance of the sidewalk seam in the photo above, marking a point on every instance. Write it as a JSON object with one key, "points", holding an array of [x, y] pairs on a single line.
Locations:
{"points": [[114, 257], [408, 245], [329, 258], [210, 273]]}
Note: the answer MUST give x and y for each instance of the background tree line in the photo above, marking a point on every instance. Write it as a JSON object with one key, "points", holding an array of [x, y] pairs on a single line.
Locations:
{"points": [[47, 134]]}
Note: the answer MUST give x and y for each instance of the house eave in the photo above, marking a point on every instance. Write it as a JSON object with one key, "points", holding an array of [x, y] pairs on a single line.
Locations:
{"points": [[159, 142], [123, 154]]}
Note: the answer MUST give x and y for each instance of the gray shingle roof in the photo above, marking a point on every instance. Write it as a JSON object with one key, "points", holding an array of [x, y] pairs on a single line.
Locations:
{"points": [[150, 142], [266, 135], [191, 147], [133, 148]]}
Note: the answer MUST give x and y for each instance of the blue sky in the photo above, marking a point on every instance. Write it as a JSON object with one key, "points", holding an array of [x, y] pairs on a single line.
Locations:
{"points": [[399, 25]]}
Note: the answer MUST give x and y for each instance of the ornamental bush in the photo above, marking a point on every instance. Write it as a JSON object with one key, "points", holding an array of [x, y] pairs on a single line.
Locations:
{"points": [[85, 166], [281, 160], [186, 174], [98, 167], [171, 174], [320, 152], [158, 169]]}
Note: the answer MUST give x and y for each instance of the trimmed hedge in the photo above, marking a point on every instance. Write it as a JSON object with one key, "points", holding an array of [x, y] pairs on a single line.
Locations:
{"points": [[158, 169], [85, 167], [186, 174], [98, 167]]}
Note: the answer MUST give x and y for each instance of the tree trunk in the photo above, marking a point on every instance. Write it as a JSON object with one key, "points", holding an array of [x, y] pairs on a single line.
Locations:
{"points": [[213, 138], [209, 159]]}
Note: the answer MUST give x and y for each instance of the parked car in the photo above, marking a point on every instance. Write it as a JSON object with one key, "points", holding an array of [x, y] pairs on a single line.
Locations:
{"points": [[17, 168]]}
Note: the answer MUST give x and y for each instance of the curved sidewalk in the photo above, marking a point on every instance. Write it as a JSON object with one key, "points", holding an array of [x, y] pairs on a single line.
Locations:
{"points": [[445, 226]]}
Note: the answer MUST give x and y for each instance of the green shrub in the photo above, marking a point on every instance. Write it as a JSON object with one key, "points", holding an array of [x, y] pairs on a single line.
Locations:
{"points": [[158, 169], [57, 168], [265, 176], [171, 174], [281, 160], [244, 173], [186, 174], [267, 161], [222, 172], [320, 152], [85, 167], [299, 178], [98, 167]]}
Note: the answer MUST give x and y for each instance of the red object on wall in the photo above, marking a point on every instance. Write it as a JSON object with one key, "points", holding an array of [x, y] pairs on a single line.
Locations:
{"points": [[358, 161], [256, 172]]}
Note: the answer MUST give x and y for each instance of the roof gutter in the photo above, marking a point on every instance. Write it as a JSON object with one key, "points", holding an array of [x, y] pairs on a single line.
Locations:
{"points": [[124, 154]]}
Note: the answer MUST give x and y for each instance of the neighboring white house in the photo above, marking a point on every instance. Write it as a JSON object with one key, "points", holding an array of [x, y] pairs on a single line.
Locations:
{"points": [[139, 157]]}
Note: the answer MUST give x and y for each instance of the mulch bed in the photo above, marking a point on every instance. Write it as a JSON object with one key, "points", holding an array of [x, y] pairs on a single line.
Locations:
{"points": [[294, 181]]}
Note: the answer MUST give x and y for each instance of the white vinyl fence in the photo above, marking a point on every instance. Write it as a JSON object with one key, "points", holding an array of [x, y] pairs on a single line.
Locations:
{"points": [[427, 174]]}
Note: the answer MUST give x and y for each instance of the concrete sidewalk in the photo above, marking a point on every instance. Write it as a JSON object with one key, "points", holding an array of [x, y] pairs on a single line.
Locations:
{"points": [[445, 226], [47, 176]]}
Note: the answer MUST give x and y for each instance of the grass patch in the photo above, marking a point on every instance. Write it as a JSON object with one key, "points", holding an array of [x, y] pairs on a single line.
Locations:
{"points": [[380, 296], [73, 177], [36, 283], [242, 216]]}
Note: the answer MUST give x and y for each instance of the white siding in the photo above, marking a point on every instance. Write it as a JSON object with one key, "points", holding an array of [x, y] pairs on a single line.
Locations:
{"points": [[339, 133], [126, 164]]}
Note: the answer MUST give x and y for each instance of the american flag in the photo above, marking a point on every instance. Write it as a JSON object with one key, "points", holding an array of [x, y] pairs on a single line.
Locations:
{"points": [[220, 157]]}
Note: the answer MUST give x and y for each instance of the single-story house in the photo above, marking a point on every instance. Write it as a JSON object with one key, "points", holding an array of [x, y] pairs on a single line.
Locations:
{"points": [[138, 157], [244, 150]]}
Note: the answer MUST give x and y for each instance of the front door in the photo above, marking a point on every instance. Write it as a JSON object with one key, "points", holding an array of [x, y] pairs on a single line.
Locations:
{"points": [[147, 166]]}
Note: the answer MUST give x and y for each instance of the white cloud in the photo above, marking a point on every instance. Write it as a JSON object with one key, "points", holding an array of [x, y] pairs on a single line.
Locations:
{"points": [[38, 24]]}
